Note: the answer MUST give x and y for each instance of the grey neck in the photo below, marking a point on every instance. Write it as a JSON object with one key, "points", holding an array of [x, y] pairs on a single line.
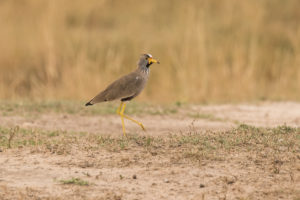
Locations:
{"points": [[143, 66], [144, 69]]}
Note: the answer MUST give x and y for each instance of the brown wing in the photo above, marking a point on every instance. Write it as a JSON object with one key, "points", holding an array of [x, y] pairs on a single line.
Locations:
{"points": [[126, 86]]}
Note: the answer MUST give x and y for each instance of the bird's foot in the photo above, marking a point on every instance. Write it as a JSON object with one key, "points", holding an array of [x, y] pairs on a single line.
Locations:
{"points": [[142, 126]]}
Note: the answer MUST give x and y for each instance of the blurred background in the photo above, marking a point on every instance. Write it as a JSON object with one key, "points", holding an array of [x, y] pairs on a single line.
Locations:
{"points": [[210, 50]]}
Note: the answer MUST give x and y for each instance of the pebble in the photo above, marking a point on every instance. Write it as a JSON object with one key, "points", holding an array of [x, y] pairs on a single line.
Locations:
{"points": [[230, 180]]}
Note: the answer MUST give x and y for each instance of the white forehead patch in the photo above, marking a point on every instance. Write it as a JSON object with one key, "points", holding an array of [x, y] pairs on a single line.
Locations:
{"points": [[149, 55]]}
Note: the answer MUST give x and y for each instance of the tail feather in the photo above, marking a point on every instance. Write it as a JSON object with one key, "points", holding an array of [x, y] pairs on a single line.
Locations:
{"points": [[97, 99], [88, 104]]}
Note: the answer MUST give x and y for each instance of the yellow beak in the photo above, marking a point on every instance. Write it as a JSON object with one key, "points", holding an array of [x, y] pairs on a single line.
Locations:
{"points": [[152, 60]]}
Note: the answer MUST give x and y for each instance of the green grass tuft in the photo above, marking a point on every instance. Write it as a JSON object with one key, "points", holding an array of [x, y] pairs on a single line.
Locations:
{"points": [[75, 181]]}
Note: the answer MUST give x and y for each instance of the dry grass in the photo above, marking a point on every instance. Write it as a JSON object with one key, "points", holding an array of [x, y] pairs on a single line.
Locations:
{"points": [[210, 50], [29, 108], [63, 162], [273, 149], [194, 146]]}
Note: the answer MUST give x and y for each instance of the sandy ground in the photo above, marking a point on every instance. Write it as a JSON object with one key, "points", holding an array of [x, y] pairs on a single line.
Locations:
{"points": [[219, 117], [27, 174]]}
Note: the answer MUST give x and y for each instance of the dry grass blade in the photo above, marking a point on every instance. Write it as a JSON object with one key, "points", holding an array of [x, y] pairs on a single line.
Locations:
{"points": [[12, 134], [210, 50]]}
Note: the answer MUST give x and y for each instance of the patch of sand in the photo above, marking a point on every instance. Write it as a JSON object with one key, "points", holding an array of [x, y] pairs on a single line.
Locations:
{"points": [[240, 175]]}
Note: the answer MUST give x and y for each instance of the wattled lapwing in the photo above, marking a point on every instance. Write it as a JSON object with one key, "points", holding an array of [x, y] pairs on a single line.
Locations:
{"points": [[126, 88]]}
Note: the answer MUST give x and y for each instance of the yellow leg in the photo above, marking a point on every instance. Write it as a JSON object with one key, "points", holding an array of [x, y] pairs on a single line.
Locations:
{"points": [[120, 111], [137, 122]]}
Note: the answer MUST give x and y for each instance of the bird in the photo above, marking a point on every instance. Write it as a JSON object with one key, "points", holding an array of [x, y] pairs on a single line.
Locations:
{"points": [[126, 88]]}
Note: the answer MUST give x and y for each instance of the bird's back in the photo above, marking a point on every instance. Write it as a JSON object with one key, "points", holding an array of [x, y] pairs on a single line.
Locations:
{"points": [[124, 88]]}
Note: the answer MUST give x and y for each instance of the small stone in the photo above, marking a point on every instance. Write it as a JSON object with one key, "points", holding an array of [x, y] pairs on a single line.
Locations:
{"points": [[201, 185], [134, 176], [0, 150], [166, 181], [230, 180]]}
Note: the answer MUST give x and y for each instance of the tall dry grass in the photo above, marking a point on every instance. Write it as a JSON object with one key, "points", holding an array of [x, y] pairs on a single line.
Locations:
{"points": [[210, 50]]}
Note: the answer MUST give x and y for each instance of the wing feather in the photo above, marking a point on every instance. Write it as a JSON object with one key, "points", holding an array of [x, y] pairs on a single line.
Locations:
{"points": [[126, 86]]}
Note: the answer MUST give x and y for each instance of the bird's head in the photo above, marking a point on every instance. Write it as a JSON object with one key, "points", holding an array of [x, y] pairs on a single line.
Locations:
{"points": [[146, 60]]}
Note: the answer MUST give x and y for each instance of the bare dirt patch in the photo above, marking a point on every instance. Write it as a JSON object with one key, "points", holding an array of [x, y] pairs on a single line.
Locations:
{"points": [[197, 152]]}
